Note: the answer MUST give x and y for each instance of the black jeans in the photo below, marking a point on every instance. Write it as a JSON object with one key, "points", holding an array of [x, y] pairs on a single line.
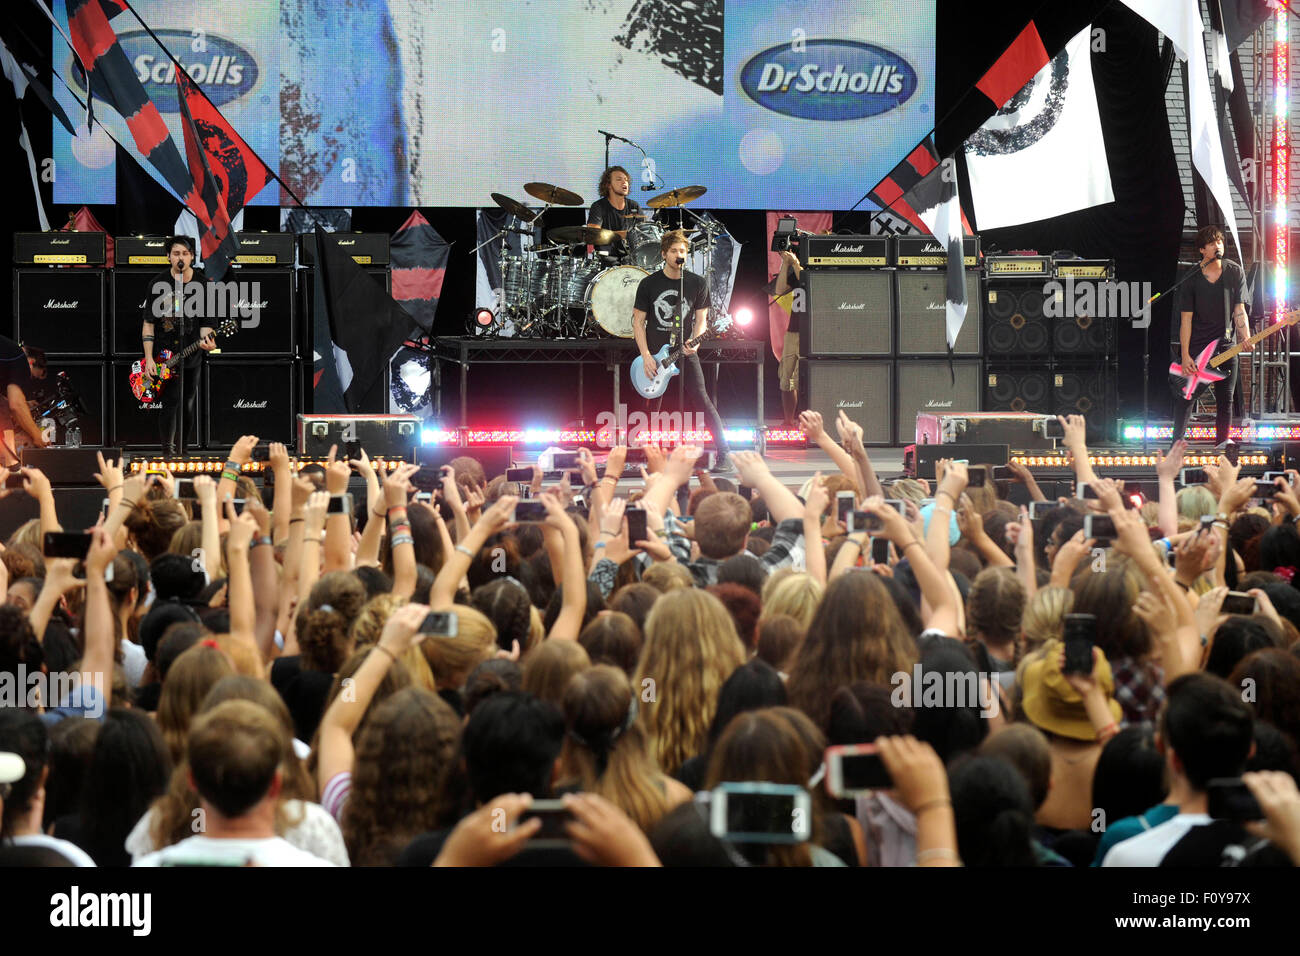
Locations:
{"points": [[174, 440], [697, 397], [1223, 394]]}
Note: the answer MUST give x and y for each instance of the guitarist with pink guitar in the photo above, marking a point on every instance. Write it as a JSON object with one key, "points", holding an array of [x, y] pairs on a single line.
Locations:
{"points": [[173, 333], [1209, 306]]}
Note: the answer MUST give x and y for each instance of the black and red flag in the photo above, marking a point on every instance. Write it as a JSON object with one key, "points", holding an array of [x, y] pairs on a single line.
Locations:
{"points": [[419, 265], [111, 77], [890, 192], [1017, 65], [225, 172]]}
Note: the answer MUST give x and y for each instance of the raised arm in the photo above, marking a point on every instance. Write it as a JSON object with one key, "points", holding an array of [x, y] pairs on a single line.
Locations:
{"points": [[811, 423], [243, 617], [101, 636], [1076, 440], [1167, 468], [455, 563], [952, 482], [343, 717], [282, 497], [933, 582], [851, 436], [574, 588], [780, 500], [814, 550], [402, 542], [338, 524]]}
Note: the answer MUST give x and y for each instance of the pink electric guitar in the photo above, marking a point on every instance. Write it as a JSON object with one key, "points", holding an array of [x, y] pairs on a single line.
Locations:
{"points": [[1186, 386]]}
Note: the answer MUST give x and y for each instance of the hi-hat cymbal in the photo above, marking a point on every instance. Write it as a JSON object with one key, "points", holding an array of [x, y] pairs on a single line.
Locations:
{"points": [[514, 207], [552, 194], [676, 197], [573, 235]]}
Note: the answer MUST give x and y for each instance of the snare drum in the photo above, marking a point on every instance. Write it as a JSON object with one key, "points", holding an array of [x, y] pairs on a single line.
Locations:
{"points": [[611, 296], [516, 281], [643, 240]]}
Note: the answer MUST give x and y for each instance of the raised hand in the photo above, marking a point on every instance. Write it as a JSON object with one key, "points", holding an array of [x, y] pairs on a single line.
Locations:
{"points": [[811, 423], [110, 471]]}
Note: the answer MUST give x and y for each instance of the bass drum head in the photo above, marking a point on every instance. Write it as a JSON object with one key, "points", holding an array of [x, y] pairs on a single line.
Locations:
{"points": [[612, 295]]}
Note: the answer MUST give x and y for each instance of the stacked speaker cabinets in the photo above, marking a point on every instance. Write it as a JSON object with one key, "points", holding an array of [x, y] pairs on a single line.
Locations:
{"points": [[1050, 342], [876, 343]]}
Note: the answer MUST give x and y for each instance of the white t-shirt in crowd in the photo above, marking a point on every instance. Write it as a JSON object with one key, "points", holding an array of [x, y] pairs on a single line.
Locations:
{"points": [[133, 663], [206, 851], [317, 834], [1149, 848]]}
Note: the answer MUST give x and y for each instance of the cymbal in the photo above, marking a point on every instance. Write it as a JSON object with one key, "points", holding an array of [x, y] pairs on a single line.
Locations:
{"points": [[573, 235], [514, 207], [676, 197], [552, 194], [635, 215]]}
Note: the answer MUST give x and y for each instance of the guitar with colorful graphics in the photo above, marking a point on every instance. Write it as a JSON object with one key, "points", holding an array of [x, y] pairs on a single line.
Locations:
{"points": [[147, 389], [1187, 386]]}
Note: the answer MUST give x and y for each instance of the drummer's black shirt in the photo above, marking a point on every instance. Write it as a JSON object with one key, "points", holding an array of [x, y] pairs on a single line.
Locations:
{"points": [[607, 217], [657, 296]]}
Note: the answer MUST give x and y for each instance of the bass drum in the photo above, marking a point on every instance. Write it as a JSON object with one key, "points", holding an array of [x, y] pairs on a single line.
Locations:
{"points": [[611, 297]]}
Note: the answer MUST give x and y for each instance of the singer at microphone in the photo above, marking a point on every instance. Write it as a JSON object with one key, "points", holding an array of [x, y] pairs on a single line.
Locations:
{"points": [[1211, 305], [614, 210]]}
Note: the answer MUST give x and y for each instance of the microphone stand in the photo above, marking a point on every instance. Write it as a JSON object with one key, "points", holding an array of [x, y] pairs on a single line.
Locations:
{"points": [[1146, 350]]}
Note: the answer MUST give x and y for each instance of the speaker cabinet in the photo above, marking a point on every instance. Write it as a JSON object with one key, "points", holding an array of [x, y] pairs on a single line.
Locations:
{"points": [[87, 379], [1014, 323], [250, 398], [849, 313], [923, 315], [926, 385], [863, 389], [136, 424], [131, 295], [1082, 337], [60, 310], [271, 332], [79, 508], [1017, 389], [1090, 391]]}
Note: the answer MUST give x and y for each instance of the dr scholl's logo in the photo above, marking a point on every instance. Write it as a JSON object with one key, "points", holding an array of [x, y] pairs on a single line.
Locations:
{"points": [[829, 80], [224, 69]]}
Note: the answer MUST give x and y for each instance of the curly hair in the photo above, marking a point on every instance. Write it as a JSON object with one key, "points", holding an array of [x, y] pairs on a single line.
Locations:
{"points": [[325, 620], [995, 606], [404, 751], [602, 188], [690, 649], [152, 524], [857, 634], [605, 748]]}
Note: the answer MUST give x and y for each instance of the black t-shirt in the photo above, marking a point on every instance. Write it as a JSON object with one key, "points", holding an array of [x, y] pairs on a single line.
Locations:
{"points": [[607, 217], [14, 369], [657, 296], [1205, 300], [173, 332]]}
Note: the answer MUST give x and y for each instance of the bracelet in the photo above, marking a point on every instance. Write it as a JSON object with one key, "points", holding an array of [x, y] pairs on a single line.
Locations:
{"points": [[1220, 524], [1109, 730], [940, 851], [124, 501], [401, 539], [396, 508], [599, 544], [1182, 585], [233, 476], [264, 539], [465, 551], [311, 541], [296, 520], [931, 804], [913, 542], [400, 529], [950, 495], [612, 534], [115, 487], [944, 508], [380, 647]]}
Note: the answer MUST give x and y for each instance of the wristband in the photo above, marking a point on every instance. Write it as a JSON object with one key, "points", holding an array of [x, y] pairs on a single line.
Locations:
{"points": [[264, 539], [913, 542], [401, 539], [232, 475], [380, 647], [296, 520], [114, 488], [599, 544], [465, 551], [401, 508], [950, 495]]}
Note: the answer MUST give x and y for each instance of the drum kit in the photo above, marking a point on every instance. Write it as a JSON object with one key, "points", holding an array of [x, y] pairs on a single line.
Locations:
{"points": [[553, 289]]}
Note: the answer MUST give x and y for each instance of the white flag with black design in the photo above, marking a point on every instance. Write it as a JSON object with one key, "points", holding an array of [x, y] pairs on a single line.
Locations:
{"points": [[1042, 154], [937, 202]]}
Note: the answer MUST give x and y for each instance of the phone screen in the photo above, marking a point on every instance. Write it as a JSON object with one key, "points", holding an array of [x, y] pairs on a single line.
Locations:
{"points": [[530, 511], [1238, 602], [564, 459], [844, 502], [1265, 489], [864, 521], [636, 456], [1053, 428], [1080, 635], [439, 624], [636, 527], [1228, 798], [1100, 527], [855, 769], [763, 817], [554, 816], [66, 544], [14, 479], [520, 474], [339, 505], [1039, 508], [976, 476], [879, 551]]}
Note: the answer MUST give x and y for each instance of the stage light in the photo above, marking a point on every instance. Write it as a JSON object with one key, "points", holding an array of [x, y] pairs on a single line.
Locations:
{"points": [[743, 316], [484, 317]]}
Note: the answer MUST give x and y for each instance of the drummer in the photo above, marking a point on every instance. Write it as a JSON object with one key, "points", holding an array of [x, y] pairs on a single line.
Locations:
{"points": [[613, 210]]}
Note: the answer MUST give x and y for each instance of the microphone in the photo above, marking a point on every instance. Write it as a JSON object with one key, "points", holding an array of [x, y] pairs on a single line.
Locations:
{"points": [[1218, 255], [681, 261], [612, 136], [649, 189]]}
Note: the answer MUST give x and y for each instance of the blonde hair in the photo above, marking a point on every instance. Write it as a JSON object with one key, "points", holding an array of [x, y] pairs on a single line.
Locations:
{"points": [[550, 668], [451, 659], [369, 625], [1044, 617], [667, 576], [691, 648], [1195, 501], [796, 594], [907, 489]]}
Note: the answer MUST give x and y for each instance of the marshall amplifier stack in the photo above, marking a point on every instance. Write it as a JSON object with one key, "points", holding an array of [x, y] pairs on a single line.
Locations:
{"points": [[876, 339]]}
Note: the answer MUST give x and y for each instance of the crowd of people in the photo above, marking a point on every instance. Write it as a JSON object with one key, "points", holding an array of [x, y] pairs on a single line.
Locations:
{"points": [[427, 679]]}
